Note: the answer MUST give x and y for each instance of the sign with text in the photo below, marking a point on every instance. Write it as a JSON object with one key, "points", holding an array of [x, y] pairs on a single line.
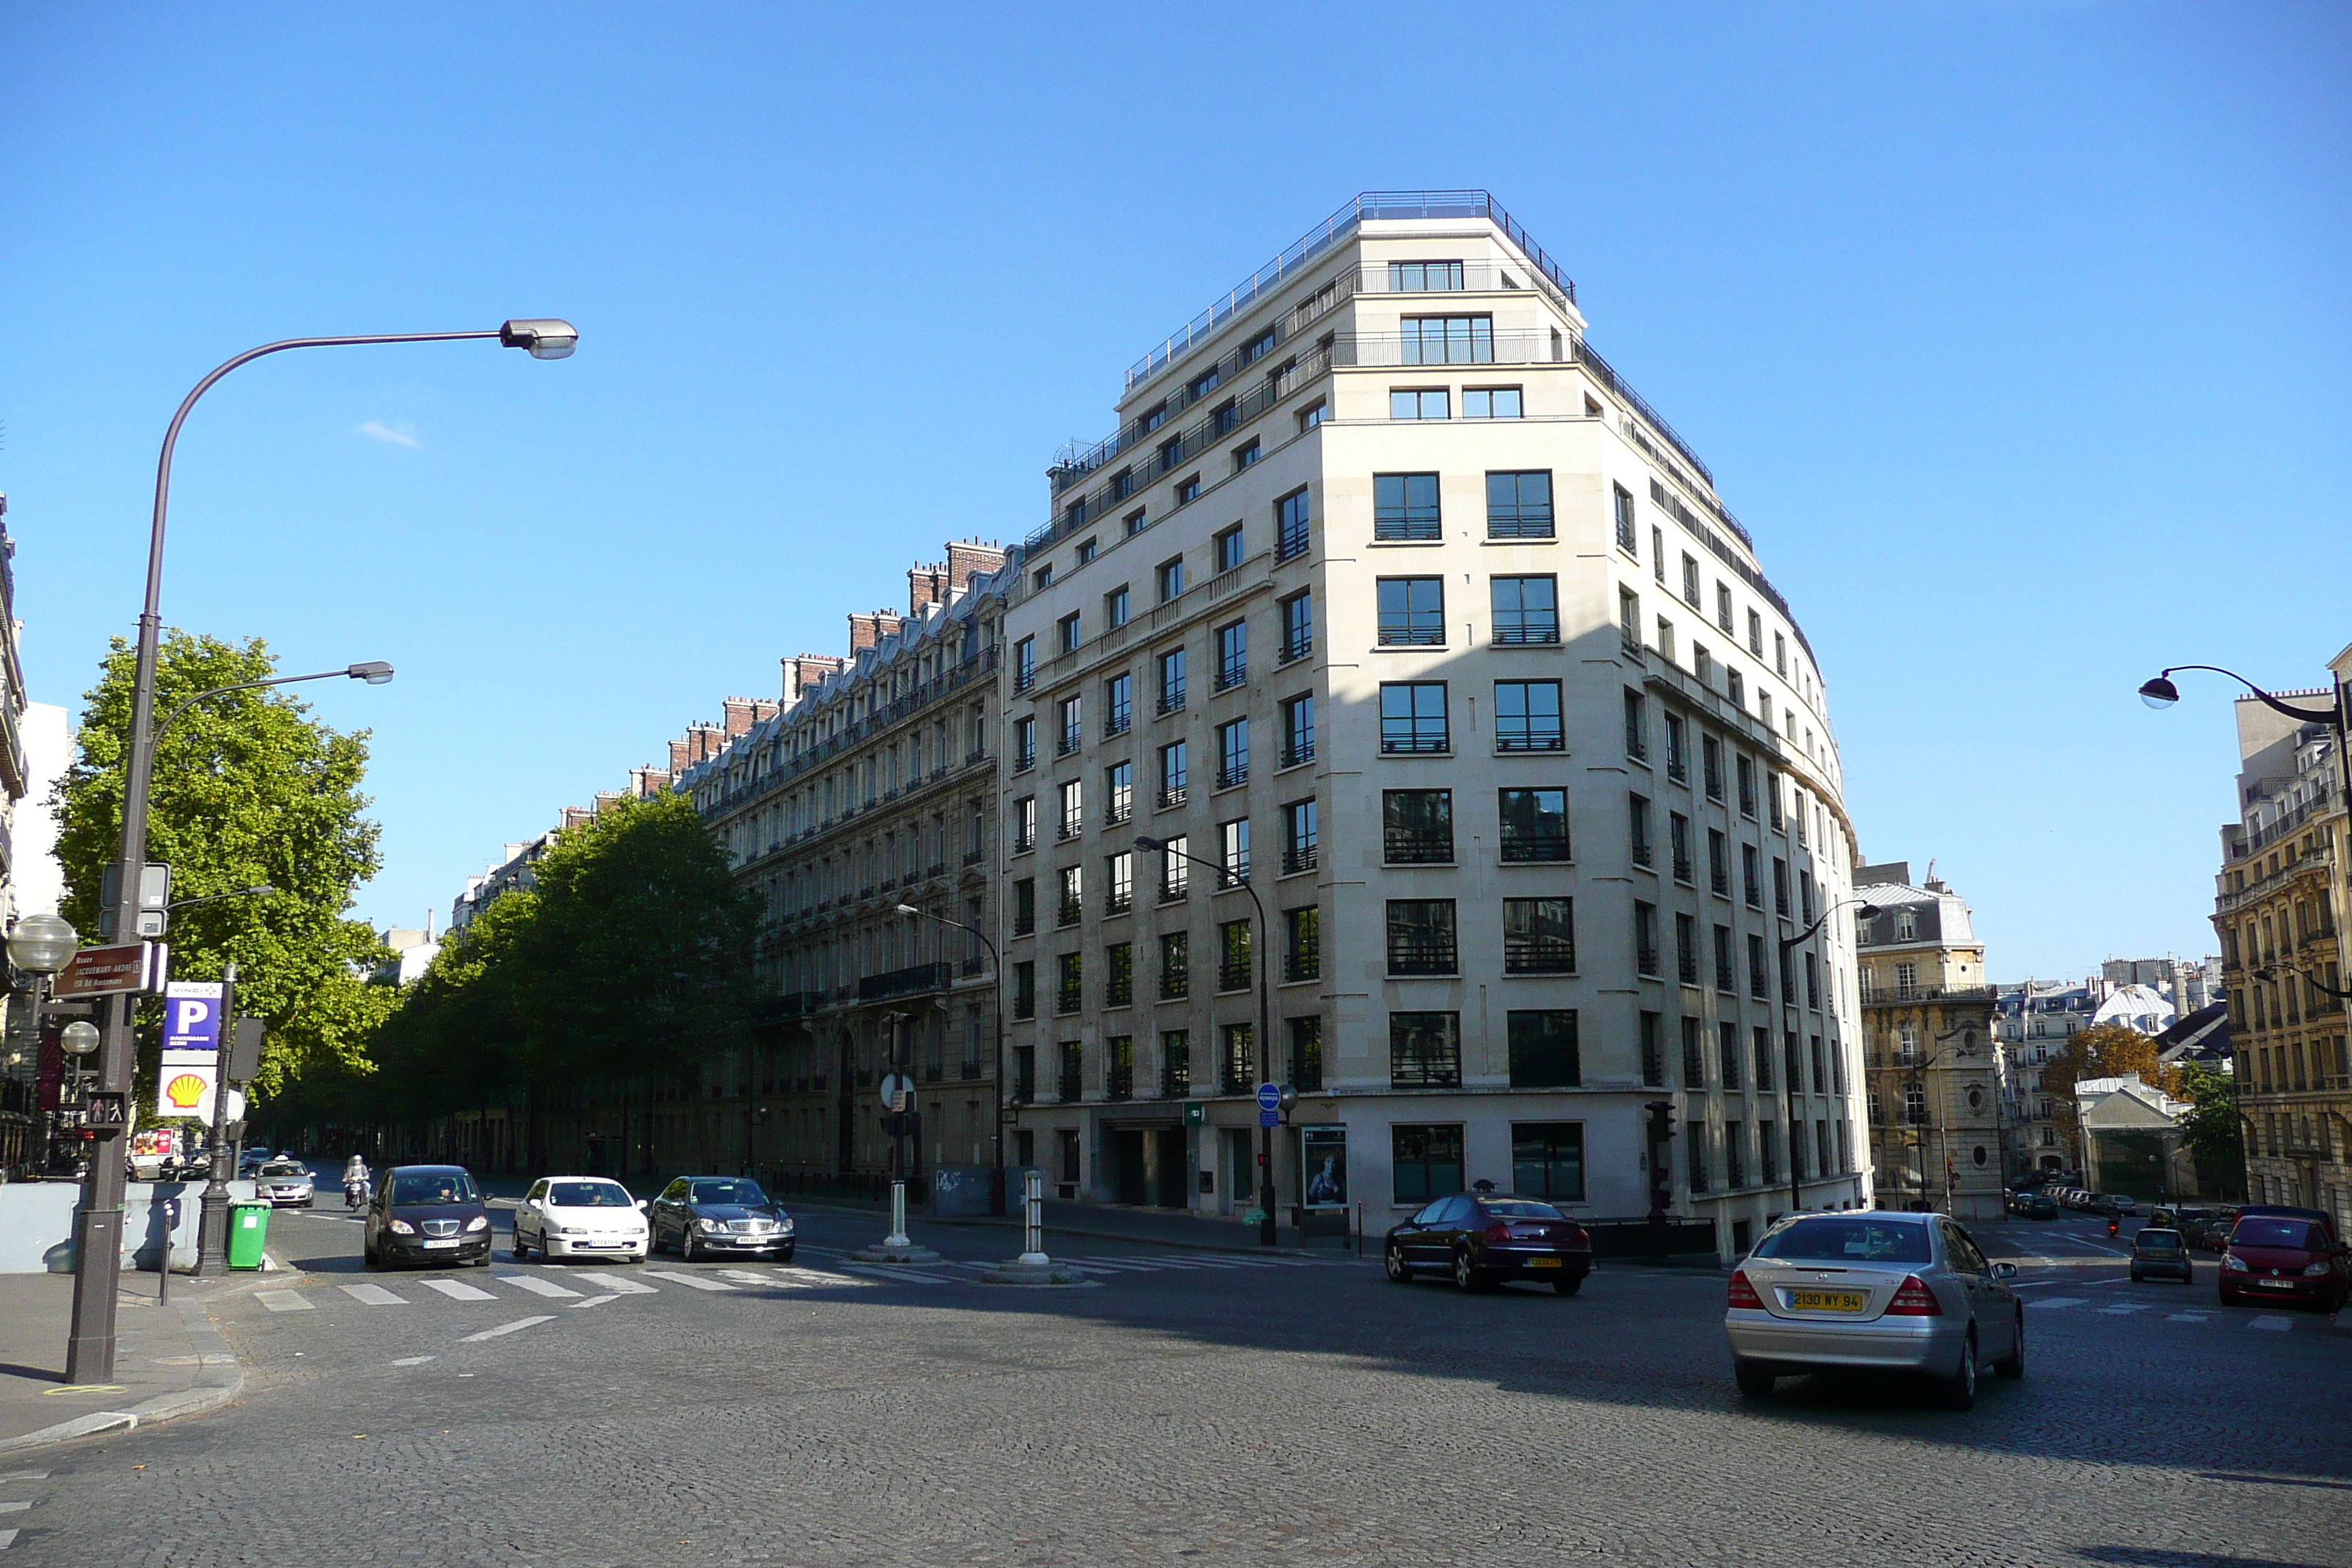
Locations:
{"points": [[192, 1020], [105, 971]]}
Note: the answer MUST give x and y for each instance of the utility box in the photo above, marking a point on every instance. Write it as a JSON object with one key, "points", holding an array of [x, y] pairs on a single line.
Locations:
{"points": [[249, 1234]]}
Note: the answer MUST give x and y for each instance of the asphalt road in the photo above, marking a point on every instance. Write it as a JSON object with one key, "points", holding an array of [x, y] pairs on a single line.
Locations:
{"points": [[1201, 1407]]}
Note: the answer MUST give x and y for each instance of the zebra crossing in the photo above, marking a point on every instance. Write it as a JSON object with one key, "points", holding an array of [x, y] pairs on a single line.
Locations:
{"points": [[2270, 1323]]}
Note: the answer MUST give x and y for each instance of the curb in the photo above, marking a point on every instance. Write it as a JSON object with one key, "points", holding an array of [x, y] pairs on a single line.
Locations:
{"points": [[220, 1384]]}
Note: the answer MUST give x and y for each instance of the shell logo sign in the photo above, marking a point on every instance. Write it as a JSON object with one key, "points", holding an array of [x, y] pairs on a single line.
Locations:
{"points": [[185, 1091]]}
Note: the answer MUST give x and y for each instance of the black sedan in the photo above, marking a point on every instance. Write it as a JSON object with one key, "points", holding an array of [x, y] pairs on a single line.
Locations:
{"points": [[706, 1217], [427, 1214], [1481, 1239]]}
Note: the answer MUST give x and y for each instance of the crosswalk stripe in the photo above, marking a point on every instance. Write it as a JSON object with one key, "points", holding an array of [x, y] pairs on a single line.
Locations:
{"points": [[906, 1275], [1117, 1264], [25, 1476], [2122, 1308], [372, 1295], [619, 1284], [14, 1507], [2050, 1303], [7, 1539], [745, 1276], [457, 1290], [2188, 1317], [507, 1328], [2267, 1321], [1177, 1260], [696, 1280], [594, 1300], [284, 1300], [537, 1286], [811, 1277]]}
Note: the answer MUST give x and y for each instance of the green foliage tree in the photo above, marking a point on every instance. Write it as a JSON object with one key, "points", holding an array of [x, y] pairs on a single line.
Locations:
{"points": [[248, 790], [2213, 1129]]}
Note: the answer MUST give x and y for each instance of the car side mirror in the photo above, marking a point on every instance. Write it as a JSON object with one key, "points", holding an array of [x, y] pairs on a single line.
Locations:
{"points": [[2004, 1270], [643, 1205]]}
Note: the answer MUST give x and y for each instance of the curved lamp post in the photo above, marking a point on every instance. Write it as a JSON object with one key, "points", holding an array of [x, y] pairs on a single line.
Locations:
{"points": [[1788, 1067], [97, 1221], [999, 1202], [1260, 960]]}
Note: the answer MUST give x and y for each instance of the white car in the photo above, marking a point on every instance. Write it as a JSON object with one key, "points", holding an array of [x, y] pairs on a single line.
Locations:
{"points": [[580, 1216], [286, 1183]]}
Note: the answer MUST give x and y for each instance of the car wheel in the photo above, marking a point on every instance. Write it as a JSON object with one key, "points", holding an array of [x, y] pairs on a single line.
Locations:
{"points": [[367, 1256], [1466, 1277], [1392, 1264], [1754, 1382], [686, 1251], [786, 1255], [522, 1250], [1568, 1284], [2013, 1363], [1959, 1390], [2134, 1276]]}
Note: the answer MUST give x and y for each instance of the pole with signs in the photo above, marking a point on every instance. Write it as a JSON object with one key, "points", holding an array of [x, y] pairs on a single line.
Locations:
{"points": [[212, 1216], [118, 975]]}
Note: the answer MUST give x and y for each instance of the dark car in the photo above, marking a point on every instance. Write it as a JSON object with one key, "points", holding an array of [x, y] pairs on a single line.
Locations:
{"points": [[2158, 1253], [1484, 1239], [2039, 1206], [2210, 1230], [2281, 1256], [427, 1214], [707, 1215]]}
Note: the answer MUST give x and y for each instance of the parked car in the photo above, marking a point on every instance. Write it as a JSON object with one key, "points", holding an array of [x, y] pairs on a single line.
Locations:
{"points": [[427, 1214], [1873, 1289], [1481, 1239], [581, 1217], [285, 1184], [701, 1215], [2284, 1257], [2210, 1231], [2157, 1253], [2118, 1203], [2039, 1205]]}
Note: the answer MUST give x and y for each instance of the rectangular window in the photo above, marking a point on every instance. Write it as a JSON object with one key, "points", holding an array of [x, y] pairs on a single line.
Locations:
{"points": [[1526, 609], [1654, 1052], [1071, 1086], [1761, 1039], [1645, 938], [1629, 620], [1025, 664], [1291, 523], [1175, 868], [1070, 632], [1233, 753], [1813, 982], [1024, 743], [1425, 277], [1187, 489], [1447, 340], [1528, 717], [1418, 403], [1119, 882], [1723, 611], [1735, 1155], [1171, 681], [1024, 906], [1404, 506], [1690, 581], [1118, 1066], [1069, 731], [1534, 825], [1637, 746], [1727, 1053], [1298, 838], [1710, 756], [1421, 937], [1174, 778], [1133, 522], [1665, 639], [1234, 852], [1759, 979], [1025, 825], [1624, 505], [1538, 936], [1412, 716], [1175, 1064], [1298, 731], [1071, 818], [1302, 944], [1297, 626], [1025, 989], [1247, 453], [1424, 1163], [1119, 793], [1747, 787], [1175, 966], [1170, 574], [1307, 1055], [1723, 961], [1119, 975], [1756, 634], [1311, 416], [1779, 887], [1490, 403], [1781, 654], [1543, 1049], [1719, 863], [1069, 990], [1228, 548], [1638, 809], [1686, 948], [1072, 908], [1233, 956], [1751, 869], [1240, 1056], [1694, 1057], [1658, 553], [1417, 826], [1519, 505], [1695, 1157], [1678, 840], [1115, 608], [1412, 611], [1233, 655], [1548, 1159], [1424, 1050]]}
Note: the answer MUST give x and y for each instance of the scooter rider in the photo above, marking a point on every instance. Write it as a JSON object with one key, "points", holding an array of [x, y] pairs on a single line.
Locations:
{"points": [[355, 1181]]}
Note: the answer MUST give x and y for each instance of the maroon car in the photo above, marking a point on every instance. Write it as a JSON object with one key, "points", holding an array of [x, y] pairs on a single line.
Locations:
{"points": [[1481, 1239], [2283, 1258]]}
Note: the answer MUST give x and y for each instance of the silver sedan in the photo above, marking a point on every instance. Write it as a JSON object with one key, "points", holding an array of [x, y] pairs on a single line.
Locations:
{"points": [[1868, 1289]]}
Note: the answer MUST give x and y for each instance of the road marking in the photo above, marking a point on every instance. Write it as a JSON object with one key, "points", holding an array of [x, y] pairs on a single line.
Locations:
{"points": [[2049, 1302], [906, 1275], [537, 1286], [809, 1278], [1115, 1265], [14, 1507], [1177, 1260], [2189, 1318], [696, 1280], [507, 1328], [373, 1295], [745, 1275], [25, 1476], [412, 1361], [7, 1539], [2268, 1321], [284, 1300], [456, 1291], [619, 1284], [594, 1301], [2119, 1310]]}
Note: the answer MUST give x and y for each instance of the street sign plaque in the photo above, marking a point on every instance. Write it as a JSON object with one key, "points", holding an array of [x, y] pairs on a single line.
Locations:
{"points": [[106, 971], [1269, 1119], [1195, 1114], [897, 1092], [1269, 1100]]}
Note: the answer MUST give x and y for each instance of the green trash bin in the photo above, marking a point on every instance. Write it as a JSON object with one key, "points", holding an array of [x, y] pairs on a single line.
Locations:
{"points": [[248, 1233]]}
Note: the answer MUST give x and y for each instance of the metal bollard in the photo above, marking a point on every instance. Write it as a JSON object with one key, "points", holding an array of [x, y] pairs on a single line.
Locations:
{"points": [[1033, 1204], [898, 1236]]}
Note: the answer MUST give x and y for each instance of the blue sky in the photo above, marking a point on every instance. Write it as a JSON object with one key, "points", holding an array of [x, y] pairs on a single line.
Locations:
{"points": [[2015, 332]]}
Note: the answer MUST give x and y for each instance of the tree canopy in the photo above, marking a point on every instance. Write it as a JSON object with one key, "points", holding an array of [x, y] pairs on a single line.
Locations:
{"points": [[2102, 1051], [2212, 1129], [248, 790]]}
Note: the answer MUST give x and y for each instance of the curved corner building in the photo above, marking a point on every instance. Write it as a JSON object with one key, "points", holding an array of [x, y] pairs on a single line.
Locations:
{"points": [[1391, 599]]}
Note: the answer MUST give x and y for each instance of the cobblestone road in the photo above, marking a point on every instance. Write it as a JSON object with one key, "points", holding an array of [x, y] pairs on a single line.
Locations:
{"points": [[1187, 1408]]}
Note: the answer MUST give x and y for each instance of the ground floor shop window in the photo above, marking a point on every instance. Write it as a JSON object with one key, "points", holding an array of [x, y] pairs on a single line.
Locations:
{"points": [[1426, 1161], [1548, 1160]]}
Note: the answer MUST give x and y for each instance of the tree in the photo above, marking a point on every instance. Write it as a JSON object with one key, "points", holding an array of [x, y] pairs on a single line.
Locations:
{"points": [[246, 790], [2103, 1050], [2212, 1129]]}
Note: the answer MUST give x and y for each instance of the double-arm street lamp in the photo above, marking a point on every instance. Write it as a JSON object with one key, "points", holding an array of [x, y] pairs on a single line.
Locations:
{"points": [[97, 1222], [997, 1200], [1788, 1067], [1261, 955]]}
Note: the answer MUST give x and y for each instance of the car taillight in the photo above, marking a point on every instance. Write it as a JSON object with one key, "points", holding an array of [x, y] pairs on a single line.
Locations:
{"points": [[1496, 1232], [1742, 1293], [1914, 1300], [1578, 1236]]}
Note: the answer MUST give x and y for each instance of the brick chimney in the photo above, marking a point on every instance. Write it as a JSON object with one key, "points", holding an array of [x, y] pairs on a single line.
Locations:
{"points": [[679, 759], [573, 816], [605, 800], [968, 559], [862, 635], [742, 713], [804, 673], [647, 781]]}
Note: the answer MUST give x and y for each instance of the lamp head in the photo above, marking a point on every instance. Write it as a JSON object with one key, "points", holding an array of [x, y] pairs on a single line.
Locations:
{"points": [[908, 910], [375, 672], [79, 1038], [1145, 841], [1867, 911], [548, 339], [259, 890], [42, 944], [2159, 692]]}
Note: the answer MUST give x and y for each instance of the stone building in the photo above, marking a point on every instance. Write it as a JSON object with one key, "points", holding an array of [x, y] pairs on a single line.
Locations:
{"points": [[1936, 1079], [2283, 896], [1394, 606]]}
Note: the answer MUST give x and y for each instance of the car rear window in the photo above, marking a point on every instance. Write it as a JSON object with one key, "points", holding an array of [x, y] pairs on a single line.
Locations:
{"points": [[1842, 1240], [442, 1187], [1521, 1208], [2158, 1241], [2264, 1232]]}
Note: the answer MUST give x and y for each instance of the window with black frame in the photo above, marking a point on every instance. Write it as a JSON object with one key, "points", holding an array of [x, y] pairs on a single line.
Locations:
{"points": [[1543, 1048], [1417, 826], [1404, 506], [1412, 612], [1307, 1055], [1425, 1162], [1519, 505], [1528, 716], [1538, 936], [1526, 610], [1548, 1160], [1424, 1050], [1302, 946], [1413, 716], [1421, 937], [1534, 824]]}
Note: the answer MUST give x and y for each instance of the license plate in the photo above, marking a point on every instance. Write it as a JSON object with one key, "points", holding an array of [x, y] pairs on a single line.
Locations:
{"points": [[1828, 1301], [1543, 1262], [2275, 1284], [450, 1242]]}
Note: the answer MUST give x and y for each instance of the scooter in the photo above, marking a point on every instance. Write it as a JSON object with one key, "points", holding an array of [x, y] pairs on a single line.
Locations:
{"points": [[354, 1194]]}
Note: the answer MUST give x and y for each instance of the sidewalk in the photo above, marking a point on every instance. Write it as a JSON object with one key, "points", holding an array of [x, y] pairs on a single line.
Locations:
{"points": [[168, 1361]]}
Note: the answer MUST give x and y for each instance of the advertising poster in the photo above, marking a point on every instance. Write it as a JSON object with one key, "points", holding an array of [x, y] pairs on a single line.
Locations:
{"points": [[1323, 1160]]}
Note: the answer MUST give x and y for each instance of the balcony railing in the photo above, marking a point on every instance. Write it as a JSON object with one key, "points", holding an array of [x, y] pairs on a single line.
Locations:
{"points": [[1070, 1089], [1411, 958], [1024, 1006], [1234, 976], [1233, 777], [1070, 827], [1299, 859], [1118, 901], [1298, 753], [1417, 849], [1295, 649], [1172, 798], [1538, 955], [1171, 701], [1175, 985], [1232, 673], [1304, 965], [1884, 994], [1071, 913], [1068, 998], [1121, 810], [1175, 1078], [1521, 738], [1424, 745], [1530, 847]]}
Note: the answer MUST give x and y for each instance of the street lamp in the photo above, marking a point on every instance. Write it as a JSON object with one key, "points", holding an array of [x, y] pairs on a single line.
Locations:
{"points": [[40, 945], [998, 1201], [1788, 1067], [97, 1220], [2160, 693], [1263, 957]]}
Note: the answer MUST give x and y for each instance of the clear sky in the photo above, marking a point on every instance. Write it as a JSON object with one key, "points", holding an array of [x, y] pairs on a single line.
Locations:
{"points": [[2017, 335]]}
